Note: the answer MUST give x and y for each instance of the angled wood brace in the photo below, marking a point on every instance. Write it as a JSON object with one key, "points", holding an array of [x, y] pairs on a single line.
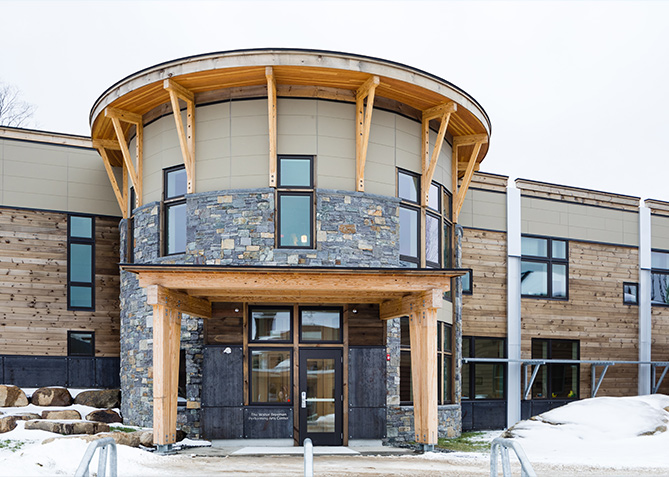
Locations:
{"points": [[362, 127], [186, 139], [116, 116]]}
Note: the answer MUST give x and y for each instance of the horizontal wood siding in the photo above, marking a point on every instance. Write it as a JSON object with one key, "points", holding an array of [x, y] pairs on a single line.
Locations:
{"points": [[594, 314], [484, 311], [34, 318], [660, 342]]}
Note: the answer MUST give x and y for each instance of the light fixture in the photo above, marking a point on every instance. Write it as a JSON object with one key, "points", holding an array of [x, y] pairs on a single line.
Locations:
{"points": [[236, 310], [355, 310]]}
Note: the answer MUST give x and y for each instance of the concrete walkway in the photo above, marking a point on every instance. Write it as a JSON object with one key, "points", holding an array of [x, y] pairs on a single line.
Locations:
{"points": [[245, 451]]}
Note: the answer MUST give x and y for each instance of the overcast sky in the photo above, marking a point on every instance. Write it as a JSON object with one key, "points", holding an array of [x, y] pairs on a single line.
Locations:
{"points": [[577, 92]]}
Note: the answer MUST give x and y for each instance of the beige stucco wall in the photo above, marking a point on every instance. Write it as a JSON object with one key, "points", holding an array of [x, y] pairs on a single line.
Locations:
{"points": [[231, 146], [659, 236], [54, 177], [579, 222], [484, 209]]}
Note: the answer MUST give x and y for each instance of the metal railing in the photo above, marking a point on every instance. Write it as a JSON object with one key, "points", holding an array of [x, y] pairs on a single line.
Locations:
{"points": [[501, 446], [308, 458], [104, 445]]}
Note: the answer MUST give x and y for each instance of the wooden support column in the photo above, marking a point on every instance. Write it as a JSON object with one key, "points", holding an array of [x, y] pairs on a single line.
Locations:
{"points": [[186, 139], [271, 113], [362, 127], [459, 193], [116, 116]]}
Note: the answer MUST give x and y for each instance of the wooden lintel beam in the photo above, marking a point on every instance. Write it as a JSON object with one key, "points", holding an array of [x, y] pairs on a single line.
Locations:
{"points": [[183, 93], [157, 295], [186, 140], [271, 113], [428, 171], [106, 144], [363, 126], [120, 197], [470, 140], [440, 110], [126, 155], [412, 304], [467, 179], [125, 116]]}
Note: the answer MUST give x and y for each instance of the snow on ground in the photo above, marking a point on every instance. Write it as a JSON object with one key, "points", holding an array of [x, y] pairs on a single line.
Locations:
{"points": [[600, 436]]}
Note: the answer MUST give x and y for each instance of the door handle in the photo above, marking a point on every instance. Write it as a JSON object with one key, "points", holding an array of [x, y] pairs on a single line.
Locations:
{"points": [[304, 399]]}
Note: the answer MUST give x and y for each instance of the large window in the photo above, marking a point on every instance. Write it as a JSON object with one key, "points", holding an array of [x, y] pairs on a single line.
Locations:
{"points": [[408, 190], [483, 380], [659, 279], [295, 201], [80, 262], [271, 376], [544, 268], [174, 199], [559, 380]]}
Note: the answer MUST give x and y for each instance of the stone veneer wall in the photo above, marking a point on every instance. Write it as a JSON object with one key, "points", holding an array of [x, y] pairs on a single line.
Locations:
{"points": [[399, 424], [237, 227]]}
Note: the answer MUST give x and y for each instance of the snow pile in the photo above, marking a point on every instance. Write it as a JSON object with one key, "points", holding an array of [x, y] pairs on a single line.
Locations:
{"points": [[605, 431]]}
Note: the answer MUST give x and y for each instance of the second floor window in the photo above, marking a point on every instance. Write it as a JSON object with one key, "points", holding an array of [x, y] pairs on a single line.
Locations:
{"points": [[544, 268], [295, 201], [80, 263], [659, 278], [174, 200]]}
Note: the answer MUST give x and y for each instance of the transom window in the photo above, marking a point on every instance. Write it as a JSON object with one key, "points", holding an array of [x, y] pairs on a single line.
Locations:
{"points": [[271, 324], [81, 262], [659, 278], [544, 268], [321, 325], [295, 201], [174, 199]]}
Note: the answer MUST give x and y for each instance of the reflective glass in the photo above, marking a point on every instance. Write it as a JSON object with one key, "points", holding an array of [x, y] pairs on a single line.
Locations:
{"points": [[433, 198], [408, 186], [489, 348], [176, 183], [405, 338], [176, 229], [659, 288], [448, 205], [659, 260], [81, 297], [559, 249], [489, 381], [81, 262], [448, 252], [320, 325], [321, 395], [270, 376], [466, 281], [446, 380], [81, 343], [294, 172], [440, 340], [270, 325], [448, 338], [432, 248], [631, 294], [534, 278], [295, 220], [81, 227], [535, 247], [406, 386], [559, 277], [408, 232]]}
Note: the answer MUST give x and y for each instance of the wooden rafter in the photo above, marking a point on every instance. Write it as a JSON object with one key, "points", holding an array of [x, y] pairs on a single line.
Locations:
{"points": [[409, 304], [186, 139], [477, 141], [271, 113], [363, 125], [121, 197], [107, 144], [116, 116], [442, 111], [157, 295]]}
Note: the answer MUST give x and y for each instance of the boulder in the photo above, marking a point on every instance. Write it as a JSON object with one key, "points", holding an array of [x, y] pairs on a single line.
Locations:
{"points": [[8, 423], [146, 438], [68, 428], [62, 415], [101, 398], [123, 438], [104, 415], [12, 396], [51, 397]]}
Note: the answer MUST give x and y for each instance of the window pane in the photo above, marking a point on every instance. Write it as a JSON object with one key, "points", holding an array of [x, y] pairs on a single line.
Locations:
{"points": [[534, 278], [81, 297], [466, 386], [466, 281], [176, 183], [270, 376], [534, 247], [406, 386], [270, 325], [408, 186], [448, 252], [320, 325], [659, 291], [408, 232], [559, 249], [80, 344], [433, 198], [440, 339], [448, 338], [81, 262], [446, 380], [488, 348], [564, 350], [630, 293], [563, 380], [405, 338], [559, 278], [176, 228], [659, 260], [81, 227], [321, 395], [448, 205], [489, 381], [432, 248], [294, 172], [295, 220]]}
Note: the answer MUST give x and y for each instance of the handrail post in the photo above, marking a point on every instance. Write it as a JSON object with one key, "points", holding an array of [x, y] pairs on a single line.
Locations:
{"points": [[308, 458], [500, 447], [105, 454]]}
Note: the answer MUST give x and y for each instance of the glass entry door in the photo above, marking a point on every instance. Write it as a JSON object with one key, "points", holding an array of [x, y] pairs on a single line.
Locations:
{"points": [[321, 396]]}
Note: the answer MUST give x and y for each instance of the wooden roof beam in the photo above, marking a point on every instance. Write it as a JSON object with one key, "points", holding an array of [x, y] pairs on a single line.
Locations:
{"points": [[116, 116], [186, 139], [363, 125], [271, 113], [106, 144], [121, 197], [477, 140], [157, 295], [444, 112], [411, 304]]}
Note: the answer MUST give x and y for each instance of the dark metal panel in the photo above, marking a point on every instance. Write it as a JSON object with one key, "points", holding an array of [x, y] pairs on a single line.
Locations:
{"points": [[36, 371], [81, 372], [467, 415], [535, 407], [222, 422], [367, 423], [108, 373], [367, 377], [223, 376], [2, 369], [268, 422]]}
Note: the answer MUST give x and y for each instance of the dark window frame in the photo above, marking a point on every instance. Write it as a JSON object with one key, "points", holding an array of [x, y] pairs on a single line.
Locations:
{"points": [[550, 367], [169, 202], [253, 308], [281, 157], [655, 271], [69, 343], [470, 290], [549, 261], [636, 294], [472, 368], [409, 258], [291, 400], [80, 241], [440, 239], [442, 355], [296, 191], [338, 309]]}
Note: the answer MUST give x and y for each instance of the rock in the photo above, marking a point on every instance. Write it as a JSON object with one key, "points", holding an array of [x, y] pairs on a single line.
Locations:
{"points": [[101, 398], [65, 414], [68, 428], [131, 439], [51, 397], [12, 396], [146, 438], [8, 423], [104, 415]]}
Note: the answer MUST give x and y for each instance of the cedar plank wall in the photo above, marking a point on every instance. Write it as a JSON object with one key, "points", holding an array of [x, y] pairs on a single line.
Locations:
{"points": [[595, 313], [34, 319]]}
